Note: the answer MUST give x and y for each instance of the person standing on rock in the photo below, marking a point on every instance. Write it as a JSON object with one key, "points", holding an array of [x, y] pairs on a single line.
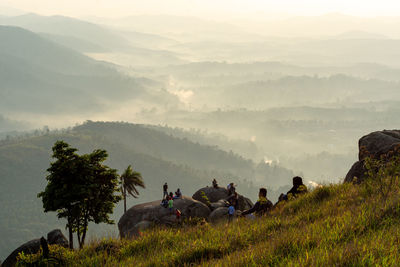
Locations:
{"points": [[165, 190], [231, 188], [262, 206], [171, 204]]}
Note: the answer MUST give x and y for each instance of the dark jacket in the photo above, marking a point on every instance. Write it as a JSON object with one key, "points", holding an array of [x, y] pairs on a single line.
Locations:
{"points": [[165, 187], [262, 206], [297, 190]]}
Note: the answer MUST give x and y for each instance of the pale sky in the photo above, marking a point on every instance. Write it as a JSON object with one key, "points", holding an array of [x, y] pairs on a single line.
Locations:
{"points": [[210, 8]]}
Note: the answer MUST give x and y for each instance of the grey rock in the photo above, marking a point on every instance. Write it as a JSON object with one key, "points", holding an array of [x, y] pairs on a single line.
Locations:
{"points": [[219, 204], [213, 194], [153, 212], [143, 225], [56, 237], [375, 144], [244, 203], [378, 143], [30, 247], [218, 215]]}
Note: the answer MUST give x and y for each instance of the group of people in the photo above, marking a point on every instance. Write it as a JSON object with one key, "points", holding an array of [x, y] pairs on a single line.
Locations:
{"points": [[263, 205], [168, 200]]}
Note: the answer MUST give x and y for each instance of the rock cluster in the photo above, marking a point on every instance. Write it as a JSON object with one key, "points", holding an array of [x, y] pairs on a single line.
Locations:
{"points": [[144, 215], [54, 237], [208, 203]]}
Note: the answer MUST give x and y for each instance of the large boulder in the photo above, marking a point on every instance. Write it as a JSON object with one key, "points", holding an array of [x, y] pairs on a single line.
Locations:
{"points": [[217, 195], [213, 194], [144, 215], [30, 247], [218, 215], [244, 203], [54, 237], [219, 204], [374, 144]]}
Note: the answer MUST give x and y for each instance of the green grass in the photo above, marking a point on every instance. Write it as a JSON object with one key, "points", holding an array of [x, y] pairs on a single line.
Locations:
{"points": [[336, 225]]}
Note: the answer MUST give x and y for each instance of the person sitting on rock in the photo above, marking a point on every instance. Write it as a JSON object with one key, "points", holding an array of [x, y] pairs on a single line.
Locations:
{"points": [[215, 183], [178, 194], [262, 206], [165, 190], [164, 203], [297, 189]]}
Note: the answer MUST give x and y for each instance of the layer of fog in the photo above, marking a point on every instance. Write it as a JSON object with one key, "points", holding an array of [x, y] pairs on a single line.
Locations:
{"points": [[300, 90]]}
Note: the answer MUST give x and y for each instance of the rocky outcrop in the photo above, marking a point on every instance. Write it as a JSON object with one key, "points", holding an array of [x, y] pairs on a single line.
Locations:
{"points": [[142, 216], [55, 237], [219, 204], [374, 144], [244, 203], [213, 194], [218, 215], [217, 196]]}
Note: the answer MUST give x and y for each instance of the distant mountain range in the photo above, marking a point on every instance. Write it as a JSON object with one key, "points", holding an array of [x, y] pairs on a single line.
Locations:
{"points": [[41, 76], [87, 37]]}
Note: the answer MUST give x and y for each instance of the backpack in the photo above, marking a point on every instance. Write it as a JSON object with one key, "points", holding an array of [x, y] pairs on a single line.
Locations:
{"points": [[178, 213], [231, 210]]}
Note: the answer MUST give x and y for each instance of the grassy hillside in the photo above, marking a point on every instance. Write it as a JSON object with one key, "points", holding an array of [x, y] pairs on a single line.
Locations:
{"points": [[336, 225]]}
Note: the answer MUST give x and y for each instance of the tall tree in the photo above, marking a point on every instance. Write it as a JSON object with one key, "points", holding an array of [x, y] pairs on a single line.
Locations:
{"points": [[130, 179], [80, 189]]}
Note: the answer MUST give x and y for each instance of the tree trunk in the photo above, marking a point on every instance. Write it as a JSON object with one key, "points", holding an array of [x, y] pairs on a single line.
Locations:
{"points": [[124, 199], [83, 236], [71, 237], [78, 233]]}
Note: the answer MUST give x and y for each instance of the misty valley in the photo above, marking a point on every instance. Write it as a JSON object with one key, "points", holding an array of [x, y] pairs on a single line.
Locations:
{"points": [[186, 100]]}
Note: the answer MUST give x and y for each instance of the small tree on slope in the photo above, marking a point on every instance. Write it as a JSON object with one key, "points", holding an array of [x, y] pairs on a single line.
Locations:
{"points": [[130, 179], [80, 189]]}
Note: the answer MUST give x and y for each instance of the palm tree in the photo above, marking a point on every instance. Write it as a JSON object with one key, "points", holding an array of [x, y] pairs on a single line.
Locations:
{"points": [[129, 181]]}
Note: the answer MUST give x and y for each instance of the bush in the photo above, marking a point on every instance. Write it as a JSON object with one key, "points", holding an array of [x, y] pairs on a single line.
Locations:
{"points": [[383, 174]]}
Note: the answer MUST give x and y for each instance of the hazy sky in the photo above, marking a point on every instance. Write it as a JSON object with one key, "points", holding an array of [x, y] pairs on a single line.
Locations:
{"points": [[212, 8]]}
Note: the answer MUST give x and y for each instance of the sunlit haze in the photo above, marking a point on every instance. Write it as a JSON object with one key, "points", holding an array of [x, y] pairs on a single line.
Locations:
{"points": [[210, 8], [250, 92]]}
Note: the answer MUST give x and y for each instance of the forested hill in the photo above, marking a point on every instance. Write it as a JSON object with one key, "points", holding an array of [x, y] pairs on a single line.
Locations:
{"points": [[58, 75], [158, 156], [143, 139]]}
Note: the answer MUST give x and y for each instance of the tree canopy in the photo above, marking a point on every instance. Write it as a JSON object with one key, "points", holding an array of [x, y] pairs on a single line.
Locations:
{"points": [[80, 188], [130, 179]]}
